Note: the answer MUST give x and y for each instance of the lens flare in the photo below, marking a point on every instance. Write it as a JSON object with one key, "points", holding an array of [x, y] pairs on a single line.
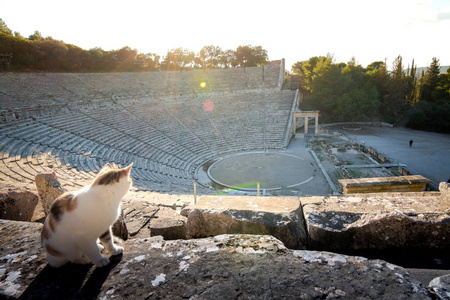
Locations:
{"points": [[208, 105]]}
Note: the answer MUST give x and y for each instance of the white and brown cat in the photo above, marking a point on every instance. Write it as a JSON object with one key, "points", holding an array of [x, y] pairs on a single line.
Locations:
{"points": [[77, 220]]}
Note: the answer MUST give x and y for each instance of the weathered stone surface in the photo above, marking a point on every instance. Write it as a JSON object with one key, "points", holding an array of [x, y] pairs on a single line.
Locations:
{"points": [[119, 227], [278, 216], [137, 215], [21, 256], [49, 188], [411, 220], [444, 188], [412, 183], [169, 224], [17, 205], [222, 267], [441, 286]]}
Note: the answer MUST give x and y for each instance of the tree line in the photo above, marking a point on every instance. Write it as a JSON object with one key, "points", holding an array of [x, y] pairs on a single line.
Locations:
{"points": [[37, 53], [349, 92]]}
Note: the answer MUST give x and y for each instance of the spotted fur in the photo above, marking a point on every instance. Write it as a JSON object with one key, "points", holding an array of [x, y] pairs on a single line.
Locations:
{"points": [[78, 219]]}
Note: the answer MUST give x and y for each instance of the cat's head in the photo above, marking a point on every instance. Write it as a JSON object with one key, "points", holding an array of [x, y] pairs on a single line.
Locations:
{"points": [[112, 176]]}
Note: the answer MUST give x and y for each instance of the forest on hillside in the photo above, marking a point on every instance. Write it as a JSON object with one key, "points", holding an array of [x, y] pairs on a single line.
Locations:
{"points": [[38, 53], [349, 92], [341, 91]]}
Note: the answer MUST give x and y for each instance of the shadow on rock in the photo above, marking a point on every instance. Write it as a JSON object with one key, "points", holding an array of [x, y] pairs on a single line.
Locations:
{"points": [[70, 282]]}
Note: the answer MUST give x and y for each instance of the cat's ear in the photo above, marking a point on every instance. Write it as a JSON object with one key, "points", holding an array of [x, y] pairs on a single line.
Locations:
{"points": [[105, 168], [128, 169]]}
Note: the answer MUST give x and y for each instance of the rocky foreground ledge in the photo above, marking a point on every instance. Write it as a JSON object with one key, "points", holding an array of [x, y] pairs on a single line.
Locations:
{"points": [[220, 267]]}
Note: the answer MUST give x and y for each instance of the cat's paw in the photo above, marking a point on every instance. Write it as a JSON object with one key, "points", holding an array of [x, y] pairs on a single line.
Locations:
{"points": [[116, 250], [103, 262]]}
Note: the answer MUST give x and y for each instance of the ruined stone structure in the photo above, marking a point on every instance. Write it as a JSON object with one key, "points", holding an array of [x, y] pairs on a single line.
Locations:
{"points": [[414, 183], [72, 124], [306, 115]]}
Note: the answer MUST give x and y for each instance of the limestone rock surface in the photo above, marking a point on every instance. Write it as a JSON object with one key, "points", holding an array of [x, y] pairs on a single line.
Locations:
{"points": [[444, 188], [137, 215], [441, 286], [17, 205], [391, 220], [49, 188], [169, 224], [145, 219], [281, 217], [221, 267]]}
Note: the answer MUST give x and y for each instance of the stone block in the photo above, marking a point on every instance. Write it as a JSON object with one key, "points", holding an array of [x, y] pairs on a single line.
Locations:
{"points": [[378, 221], [444, 188], [137, 216], [169, 224], [412, 183], [49, 188], [17, 205], [220, 267], [281, 217]]}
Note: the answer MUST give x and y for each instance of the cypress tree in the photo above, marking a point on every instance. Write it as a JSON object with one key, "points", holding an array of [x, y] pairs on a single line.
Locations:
{"points": [[430, 81]]}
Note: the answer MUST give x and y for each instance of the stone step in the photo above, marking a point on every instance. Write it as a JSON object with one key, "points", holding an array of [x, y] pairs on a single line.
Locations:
{"points": [[378, 221], [243, 266], [280, 217]]}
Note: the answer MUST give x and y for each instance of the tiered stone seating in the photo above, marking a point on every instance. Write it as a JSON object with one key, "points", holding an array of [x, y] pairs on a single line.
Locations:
{"points": [[163, 122]]}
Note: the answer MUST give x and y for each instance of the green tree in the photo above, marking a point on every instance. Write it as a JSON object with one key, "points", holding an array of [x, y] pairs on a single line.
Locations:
{"points": [[342, 92], [251, 56], [147, 61], [359, 104], [4, 29], [228, 59], [305, 70], [210, 56], [178, 59], [125, 59], [36, 36], [328, 84], [430, 81], [442, 92], [394, 104], [378, 76]]}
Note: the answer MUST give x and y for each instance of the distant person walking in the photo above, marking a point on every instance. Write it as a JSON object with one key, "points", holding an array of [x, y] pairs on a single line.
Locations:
{"points": [[411, 142]]}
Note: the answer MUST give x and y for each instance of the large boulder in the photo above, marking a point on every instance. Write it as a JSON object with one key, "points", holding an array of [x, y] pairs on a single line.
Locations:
{"points": [[49, 188], [222, 267], [281, 217], [17, 205], [379, 221]]}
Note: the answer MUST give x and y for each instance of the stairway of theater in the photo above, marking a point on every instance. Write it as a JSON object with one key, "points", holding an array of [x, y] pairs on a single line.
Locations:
{"points": [[73, 124]]}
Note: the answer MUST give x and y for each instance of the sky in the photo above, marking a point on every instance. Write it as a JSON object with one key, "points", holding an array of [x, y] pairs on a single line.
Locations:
{"points": [[369, 30]]}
